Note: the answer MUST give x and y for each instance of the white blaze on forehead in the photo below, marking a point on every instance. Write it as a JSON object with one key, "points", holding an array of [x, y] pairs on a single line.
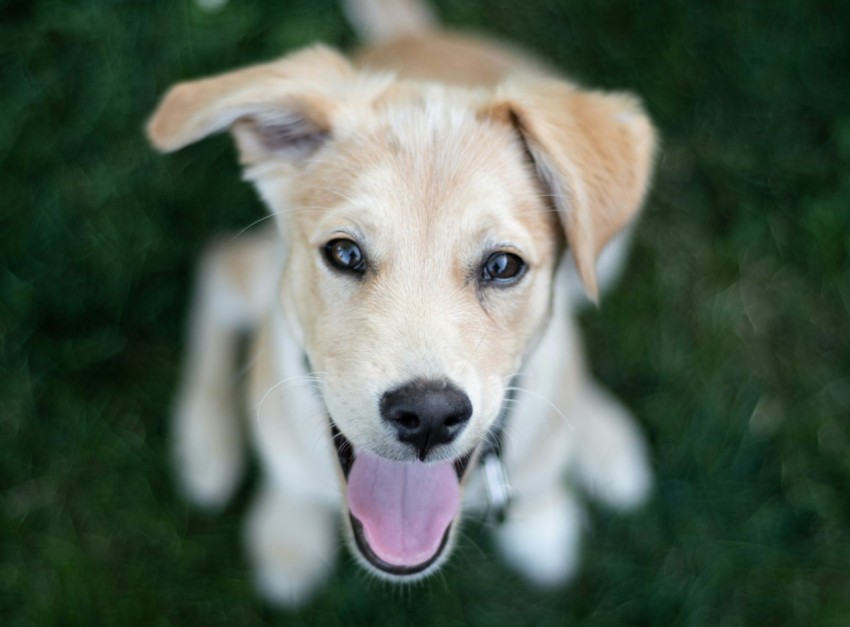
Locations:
{"points": [[442, 182]]}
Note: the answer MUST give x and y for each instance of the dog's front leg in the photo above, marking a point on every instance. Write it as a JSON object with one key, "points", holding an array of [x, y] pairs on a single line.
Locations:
{"points": [[611, 461], [236, 280], [291, 540], [291, 531], [541, 536], [607, 456]]}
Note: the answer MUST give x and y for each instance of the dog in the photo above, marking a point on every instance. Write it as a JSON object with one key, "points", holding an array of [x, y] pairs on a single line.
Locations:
{"points": [[442, 205]]}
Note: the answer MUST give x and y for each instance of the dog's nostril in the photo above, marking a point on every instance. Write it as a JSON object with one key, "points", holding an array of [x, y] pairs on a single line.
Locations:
{"points": [[451, 421], [407, 420]]}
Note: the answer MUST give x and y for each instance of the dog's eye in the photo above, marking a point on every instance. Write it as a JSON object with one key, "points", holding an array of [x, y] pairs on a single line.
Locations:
{"points": [[344, 254], [502, 269]]}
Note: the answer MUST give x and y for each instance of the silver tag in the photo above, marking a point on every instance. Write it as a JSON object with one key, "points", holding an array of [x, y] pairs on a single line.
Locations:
{"points": [[498, 488]]}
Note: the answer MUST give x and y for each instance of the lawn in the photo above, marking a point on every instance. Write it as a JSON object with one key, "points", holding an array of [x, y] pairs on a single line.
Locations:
{"points": [[729, 338]]}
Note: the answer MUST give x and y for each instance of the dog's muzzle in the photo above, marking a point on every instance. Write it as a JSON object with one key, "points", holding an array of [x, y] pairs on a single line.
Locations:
{"points": [[402, 514]]}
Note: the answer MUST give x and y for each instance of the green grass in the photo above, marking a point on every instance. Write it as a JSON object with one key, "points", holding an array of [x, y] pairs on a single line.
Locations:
{"points": [[729, 339]]}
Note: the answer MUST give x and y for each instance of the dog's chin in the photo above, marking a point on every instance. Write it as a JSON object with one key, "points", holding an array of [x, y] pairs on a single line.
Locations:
{"points": [[401, 516]]}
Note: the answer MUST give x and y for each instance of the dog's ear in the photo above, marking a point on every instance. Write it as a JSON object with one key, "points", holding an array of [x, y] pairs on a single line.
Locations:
{"points": [[277, 109], [594, 151]]}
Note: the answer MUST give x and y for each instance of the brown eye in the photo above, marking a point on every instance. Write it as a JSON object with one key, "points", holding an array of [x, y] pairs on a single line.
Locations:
{"points": [[345, 255], [502, 269]]}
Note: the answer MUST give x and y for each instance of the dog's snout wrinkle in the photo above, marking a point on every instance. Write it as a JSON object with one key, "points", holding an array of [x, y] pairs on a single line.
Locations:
{"points": [[426, 414]]}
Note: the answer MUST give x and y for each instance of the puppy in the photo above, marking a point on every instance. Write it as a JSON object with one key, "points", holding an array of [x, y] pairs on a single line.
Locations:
{"points": [[437, 198]]}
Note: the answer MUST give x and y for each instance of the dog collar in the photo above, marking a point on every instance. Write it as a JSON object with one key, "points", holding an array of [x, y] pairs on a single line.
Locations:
{"points": [[497, 486]]}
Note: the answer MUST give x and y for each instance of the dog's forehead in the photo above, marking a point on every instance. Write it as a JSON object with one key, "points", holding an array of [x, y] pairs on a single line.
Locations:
{"points": [[426, 168]]}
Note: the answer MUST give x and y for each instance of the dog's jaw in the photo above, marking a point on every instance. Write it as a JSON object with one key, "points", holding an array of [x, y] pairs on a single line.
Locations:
{"points": [[382, 546]]}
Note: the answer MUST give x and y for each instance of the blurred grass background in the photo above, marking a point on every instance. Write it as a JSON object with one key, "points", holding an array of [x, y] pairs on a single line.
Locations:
{"points": [[729, 338]]}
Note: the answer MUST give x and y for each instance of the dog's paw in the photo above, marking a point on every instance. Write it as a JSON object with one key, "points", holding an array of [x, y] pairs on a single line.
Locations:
{"points": [[291, 544], [542, 538], [611, 461], [208, 450]]}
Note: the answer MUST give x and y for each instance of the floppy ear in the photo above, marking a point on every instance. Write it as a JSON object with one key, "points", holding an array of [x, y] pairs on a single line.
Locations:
{"points": [[277, 109], [595, 153]]}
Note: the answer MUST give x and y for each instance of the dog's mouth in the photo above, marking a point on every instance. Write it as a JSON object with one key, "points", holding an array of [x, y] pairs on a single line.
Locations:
{"points": [[401, 513]]}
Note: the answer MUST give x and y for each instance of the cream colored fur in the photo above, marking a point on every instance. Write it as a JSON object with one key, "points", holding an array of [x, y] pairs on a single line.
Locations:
{"points": [[430, 150]]}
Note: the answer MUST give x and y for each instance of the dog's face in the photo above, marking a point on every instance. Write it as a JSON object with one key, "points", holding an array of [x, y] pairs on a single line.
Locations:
{"points": [[421, 254], [419, 273], [423, 225], [418, 286]]}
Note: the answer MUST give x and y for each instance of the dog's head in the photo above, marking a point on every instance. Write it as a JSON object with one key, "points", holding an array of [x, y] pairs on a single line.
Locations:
{"points": [[423, 225]]}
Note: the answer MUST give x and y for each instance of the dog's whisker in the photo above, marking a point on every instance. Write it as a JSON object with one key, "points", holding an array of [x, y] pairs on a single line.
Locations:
{"points": [[319, 437], [273, 214], [288, 382], [544, 400]]}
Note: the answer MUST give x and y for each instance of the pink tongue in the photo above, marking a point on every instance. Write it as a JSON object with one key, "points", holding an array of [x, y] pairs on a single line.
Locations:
{"points": [[405, 508]]}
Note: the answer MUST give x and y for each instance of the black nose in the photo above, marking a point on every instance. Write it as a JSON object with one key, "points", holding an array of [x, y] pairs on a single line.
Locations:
{"points": [[426, 413]]}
